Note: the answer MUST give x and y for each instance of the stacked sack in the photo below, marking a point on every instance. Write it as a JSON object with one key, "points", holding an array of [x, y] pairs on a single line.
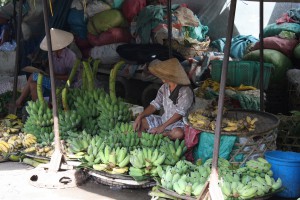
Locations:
{"points": [[280, 41], [282, 49], [107, 30]]}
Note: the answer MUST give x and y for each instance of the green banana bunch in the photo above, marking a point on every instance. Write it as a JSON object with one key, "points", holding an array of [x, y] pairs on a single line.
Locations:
{"points": [[84, 103], [113, 161], [137, 159], [174, 151], [113, 140], [151, 140], [68, 121], [40, 119], [222, 163], [79, 144], [90, 124], [124, 128], [258, 166], [123, 157], [130, 139], [46, 138], [113, 111]]}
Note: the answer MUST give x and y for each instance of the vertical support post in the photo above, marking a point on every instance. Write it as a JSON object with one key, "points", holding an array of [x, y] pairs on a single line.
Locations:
{"points": [[18, 53], [169, 10], [261, 53], [56, 158], [214, 171]]}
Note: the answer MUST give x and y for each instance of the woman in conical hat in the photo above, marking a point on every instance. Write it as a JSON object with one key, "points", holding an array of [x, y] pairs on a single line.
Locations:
{"points": [[175, 96], [63, 61]]}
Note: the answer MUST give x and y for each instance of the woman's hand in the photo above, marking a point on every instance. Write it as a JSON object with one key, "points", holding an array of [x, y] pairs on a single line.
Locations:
{"points": [[157, 130], [137, 123]]}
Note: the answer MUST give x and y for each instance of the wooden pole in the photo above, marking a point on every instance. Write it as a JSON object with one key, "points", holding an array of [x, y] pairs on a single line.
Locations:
{"points": [[214, 191], [13, 109], [261, 53], [57, 156]]}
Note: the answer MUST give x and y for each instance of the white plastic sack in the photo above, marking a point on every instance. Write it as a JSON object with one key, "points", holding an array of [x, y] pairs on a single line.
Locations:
{"points": [[95, 7], [78, 4], [106, 53]]}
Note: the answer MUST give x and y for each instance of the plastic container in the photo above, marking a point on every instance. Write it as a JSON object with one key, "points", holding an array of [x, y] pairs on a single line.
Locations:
{"points": [[242, 72], [286, 166], [268, 69]]}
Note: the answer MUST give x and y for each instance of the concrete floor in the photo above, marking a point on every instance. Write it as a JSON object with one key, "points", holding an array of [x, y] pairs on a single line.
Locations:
{"points": [[15, 185]]}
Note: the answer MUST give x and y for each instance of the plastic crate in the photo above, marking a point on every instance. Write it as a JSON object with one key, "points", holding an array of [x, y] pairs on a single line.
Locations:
{"points": [[268, 69], [241, 72]]}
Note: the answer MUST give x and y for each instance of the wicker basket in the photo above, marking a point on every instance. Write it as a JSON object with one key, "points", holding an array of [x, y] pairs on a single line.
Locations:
{"points": [[251, 145], [294, 99], [120, 181], [288, 139]]}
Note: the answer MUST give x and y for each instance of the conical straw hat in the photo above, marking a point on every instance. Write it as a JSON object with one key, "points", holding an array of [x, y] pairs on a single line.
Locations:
{"points": [[59, 39], [169, 70]]}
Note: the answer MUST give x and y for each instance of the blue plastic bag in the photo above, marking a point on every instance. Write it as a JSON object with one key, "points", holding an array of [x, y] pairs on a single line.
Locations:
{"points": [[205, 147]]}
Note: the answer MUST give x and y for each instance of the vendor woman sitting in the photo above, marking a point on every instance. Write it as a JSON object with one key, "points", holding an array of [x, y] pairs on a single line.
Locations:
{"points": [[63, 61], [175, 96]]}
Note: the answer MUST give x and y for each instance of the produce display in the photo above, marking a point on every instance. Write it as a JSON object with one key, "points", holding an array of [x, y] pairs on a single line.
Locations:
{"points": [[124, 153], [248, 182], [95, 129], [206, 119]]}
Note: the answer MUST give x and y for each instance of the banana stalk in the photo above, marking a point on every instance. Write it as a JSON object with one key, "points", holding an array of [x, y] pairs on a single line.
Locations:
{"points": [[84, 79], [73, 73], [89, 75], [39, 87], [64, 98], [112, 79], [95, 68]]}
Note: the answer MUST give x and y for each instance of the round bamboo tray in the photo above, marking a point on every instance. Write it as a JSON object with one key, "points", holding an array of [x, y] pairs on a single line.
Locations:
{"points": [[120, 181]]}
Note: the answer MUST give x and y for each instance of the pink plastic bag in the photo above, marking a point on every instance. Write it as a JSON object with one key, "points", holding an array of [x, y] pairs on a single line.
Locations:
{"points": [[191, 137]]}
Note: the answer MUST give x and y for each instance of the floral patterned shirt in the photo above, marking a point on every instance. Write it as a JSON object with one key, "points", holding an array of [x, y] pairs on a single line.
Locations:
{"points": [[184, 101]]}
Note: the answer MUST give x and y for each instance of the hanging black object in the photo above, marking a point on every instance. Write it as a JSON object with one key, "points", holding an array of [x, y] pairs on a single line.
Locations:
{"points": [[143, 53]]}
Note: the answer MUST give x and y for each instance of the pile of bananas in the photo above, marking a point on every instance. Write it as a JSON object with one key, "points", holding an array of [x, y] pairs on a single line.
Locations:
{"points": [[151, 140], [69, 121], [145, 161], [184, 178], [90, 124], [79, 144], [111, 160], [130, 139], [85, 102], [28, 140], [46, 138], [4, 147], [10, 125], [253, 180], [45, 151], [174, 151], [247, 124], [40, 119], [16, 142], [123, 127], [112, 112], [200, 120]]}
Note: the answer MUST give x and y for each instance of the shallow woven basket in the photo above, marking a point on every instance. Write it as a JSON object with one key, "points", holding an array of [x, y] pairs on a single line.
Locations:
{"points": [[251, 144], [120, 181]]}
